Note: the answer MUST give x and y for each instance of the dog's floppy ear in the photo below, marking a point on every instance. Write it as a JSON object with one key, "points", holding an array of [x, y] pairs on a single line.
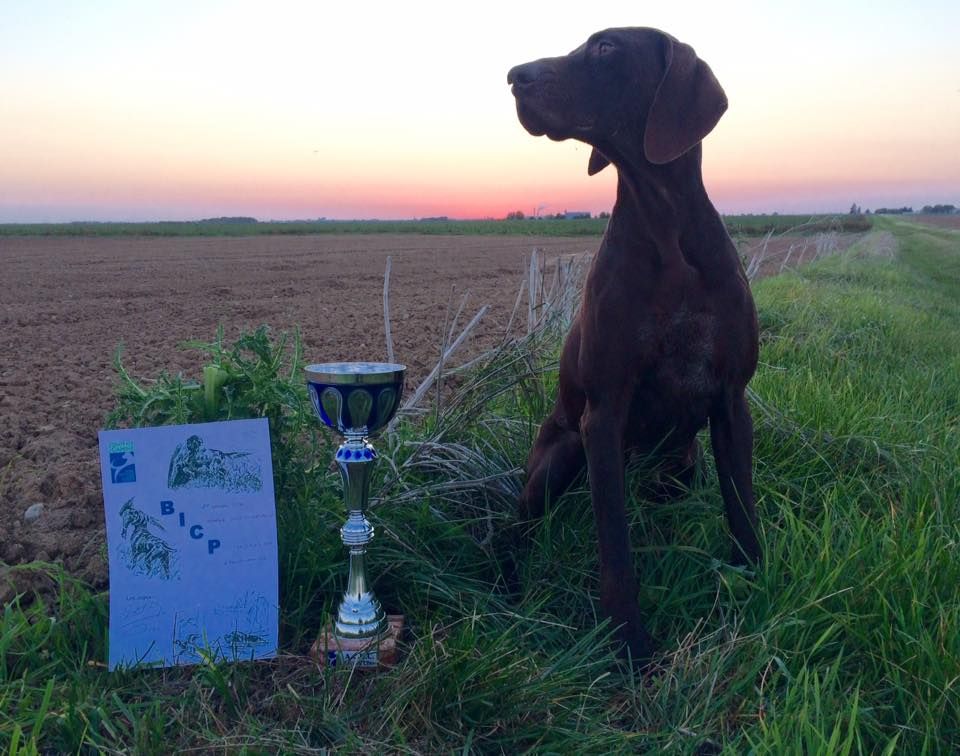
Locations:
{"points": [[598, 161], [687, 105]]}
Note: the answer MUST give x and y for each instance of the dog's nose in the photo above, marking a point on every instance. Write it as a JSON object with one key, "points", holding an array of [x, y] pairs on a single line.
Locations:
{"points": [[525, 73], [515, 75]]}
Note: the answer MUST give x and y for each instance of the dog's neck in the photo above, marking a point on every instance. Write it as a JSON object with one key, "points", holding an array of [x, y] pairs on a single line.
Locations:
{"points": [[652, 199], [661, 204]]}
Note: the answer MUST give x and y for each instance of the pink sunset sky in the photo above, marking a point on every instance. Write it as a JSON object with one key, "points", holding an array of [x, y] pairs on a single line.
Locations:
{"points": [[180, 110]]}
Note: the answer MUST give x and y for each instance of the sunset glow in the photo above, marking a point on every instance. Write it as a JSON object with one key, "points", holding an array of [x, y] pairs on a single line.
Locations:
{"points": [[130, 111]]}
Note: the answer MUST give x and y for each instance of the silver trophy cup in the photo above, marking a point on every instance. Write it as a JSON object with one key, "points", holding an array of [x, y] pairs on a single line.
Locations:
{"points": [[356, 399]]}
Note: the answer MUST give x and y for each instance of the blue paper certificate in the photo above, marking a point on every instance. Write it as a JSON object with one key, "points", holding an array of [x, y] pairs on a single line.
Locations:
{"points": [[192, 542]]}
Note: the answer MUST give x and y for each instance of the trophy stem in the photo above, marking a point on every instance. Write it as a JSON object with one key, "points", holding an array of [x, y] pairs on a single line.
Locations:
{"points": [[360, 614]]}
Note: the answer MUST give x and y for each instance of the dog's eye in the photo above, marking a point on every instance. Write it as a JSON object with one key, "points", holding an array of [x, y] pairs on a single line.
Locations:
{"points": [[604, 48]]}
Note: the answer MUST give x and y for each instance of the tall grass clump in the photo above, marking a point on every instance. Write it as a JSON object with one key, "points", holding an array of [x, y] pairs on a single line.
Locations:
{"points": [[844, 641]]}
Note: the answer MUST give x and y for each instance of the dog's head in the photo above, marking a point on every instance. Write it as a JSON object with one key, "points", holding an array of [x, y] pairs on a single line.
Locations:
{"points": [[630, 93]]}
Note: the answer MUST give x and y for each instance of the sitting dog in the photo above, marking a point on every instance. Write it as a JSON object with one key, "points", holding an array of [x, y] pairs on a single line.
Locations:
{"points": [[666, 336]]}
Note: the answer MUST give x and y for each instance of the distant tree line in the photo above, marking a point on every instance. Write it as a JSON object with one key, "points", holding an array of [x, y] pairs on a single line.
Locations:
{"points": [[519, 215], [855, 209]]}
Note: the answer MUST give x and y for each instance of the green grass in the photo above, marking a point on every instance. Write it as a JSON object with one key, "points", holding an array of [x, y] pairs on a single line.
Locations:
{"points": [[739, 225], [845, 641], [542, 227]]}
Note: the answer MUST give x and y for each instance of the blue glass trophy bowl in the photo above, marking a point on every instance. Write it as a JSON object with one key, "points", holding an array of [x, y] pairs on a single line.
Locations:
{"points": [[356, 399]]}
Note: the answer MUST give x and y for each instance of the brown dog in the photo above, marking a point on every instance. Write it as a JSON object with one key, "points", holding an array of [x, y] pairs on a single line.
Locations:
{"points": [[666, 337]]}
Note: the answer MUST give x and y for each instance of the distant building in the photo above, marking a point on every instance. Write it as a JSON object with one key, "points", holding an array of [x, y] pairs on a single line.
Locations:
{"points": [[575, 214]]}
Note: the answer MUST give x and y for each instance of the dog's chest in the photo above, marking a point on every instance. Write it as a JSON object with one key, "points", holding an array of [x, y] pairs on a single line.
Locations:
{"points": [[676, 384], [682, 355]]}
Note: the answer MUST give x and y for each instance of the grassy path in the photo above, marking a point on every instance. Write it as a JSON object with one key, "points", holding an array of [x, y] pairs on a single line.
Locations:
{"points": [[861, 462], [847, 640]]}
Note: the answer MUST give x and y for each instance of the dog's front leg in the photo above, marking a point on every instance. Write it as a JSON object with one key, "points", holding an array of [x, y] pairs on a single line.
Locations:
{"points": [[602, 432], [731, 433]]}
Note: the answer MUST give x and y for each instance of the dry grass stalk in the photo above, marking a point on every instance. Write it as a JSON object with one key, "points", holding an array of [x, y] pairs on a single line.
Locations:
{"points": [[386, 309], [786, 259], [753, 268], [428, 381], [533, 290], [824, 243], [559, 300]]}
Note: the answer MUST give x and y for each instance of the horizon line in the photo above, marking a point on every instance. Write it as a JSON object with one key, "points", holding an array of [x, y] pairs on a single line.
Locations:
{"points": [[424, 219]]}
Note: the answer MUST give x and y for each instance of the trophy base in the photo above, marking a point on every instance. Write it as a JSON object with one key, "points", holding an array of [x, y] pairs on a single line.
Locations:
{"points": [[361, 653]]}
